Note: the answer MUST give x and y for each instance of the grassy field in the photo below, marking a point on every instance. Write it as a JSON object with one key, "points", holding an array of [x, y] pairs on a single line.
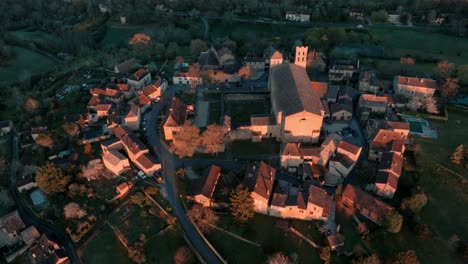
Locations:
{"points": [[252, 31], [104, 248], [118, 36], [161, 249], [241, 111], [262, 230], [26, 64]]}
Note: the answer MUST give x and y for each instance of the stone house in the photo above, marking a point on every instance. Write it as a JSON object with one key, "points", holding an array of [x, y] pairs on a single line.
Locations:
{"points": [[414, 87], [371, 104], [103, 109], [111, 144], [386, 141], [342, 110], [256, 64], [389, 172], [126, 66], [367, 205], [132, 118], [203, 190], [154, 90], [139, 79], [342, 70], [115, 162], [175, 119], [299, 17], [181, 78], [259, 180], [369, 81], [345, 159], [147, 163]]}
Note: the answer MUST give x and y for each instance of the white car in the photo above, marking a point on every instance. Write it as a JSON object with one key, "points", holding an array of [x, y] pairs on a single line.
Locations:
{"points": [[142, 175]]}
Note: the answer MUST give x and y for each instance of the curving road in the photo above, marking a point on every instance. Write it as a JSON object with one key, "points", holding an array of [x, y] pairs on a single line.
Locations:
{"points": [[169, 164], [29, 217]]}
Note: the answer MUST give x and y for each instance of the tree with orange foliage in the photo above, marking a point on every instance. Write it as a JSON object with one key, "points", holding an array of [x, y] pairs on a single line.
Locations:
{"points": [[244, 72], [139, 38]]}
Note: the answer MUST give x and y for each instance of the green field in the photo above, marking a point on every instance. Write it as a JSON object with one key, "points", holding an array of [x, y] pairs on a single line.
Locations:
{"points": [[119, 36], [26, 63], [104, 248], [161, 249]]}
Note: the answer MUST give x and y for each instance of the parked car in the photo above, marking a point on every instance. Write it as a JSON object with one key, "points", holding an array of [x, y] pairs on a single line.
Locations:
{"points": [[142, 175]]}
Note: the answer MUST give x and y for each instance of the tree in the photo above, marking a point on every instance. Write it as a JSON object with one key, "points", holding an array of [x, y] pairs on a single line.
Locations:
{"points": [[51, 179], [450, 87], [74, 211], [278, 258], [184, 255], [71, 128], [212, 138], [414, 203], [197, 46], [414, 105], [203, 217], [462, 73], [393, 222], [445, 69], [380, 16], [407, 61], [242, 204], [151, 190], [136, 251], [244, 72], [172, 49], [430, 104], [372, 259], [94, 170], [325, 254], [45, 140], [138, 198], [406, 257], [5, 198], [422, 231], [139, 38], [458, 156], [194, 70], [186, 141]]}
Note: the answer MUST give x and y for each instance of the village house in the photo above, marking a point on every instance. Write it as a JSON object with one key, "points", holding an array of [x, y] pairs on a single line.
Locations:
{"points": [[111, 144], [122, 189], [132, 118], [256, 64], [370, 104], [263, 127], [275, 58], [47, 251], [209, 59], [133, 146], [332, 93], [139, 79], [399, 127], [259, 180], [386, 141], [175, 119], [6, 126], [345, 159], [367, 205], [127, 91], [342, 110], [225, 57], [414, 87], [147, 163], [294, 16], [142, 101], [154, 90], [115, 162], [394, 18], [396, 101], [356, 14], [279, 201], [297, 108], [389, 172], [126, 66], [103, 109], [203, 189], [369, 81], [25, 184], [342, 70], [182, 78]]}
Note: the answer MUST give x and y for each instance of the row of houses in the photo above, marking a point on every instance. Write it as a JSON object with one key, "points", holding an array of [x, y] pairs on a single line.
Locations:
{"points": [[16, 238]]}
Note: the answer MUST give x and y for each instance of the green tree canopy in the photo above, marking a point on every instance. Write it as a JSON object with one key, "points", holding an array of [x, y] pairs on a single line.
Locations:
{"points": [[393, 222], [415, 202]]}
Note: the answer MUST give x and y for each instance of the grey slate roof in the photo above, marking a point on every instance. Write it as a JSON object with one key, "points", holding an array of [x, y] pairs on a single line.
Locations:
{"points": [[291, 91]]}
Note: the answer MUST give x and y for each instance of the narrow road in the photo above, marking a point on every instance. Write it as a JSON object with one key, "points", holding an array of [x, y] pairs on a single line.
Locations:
{"points": [[29, 217], [207, 27], [169, 165]]}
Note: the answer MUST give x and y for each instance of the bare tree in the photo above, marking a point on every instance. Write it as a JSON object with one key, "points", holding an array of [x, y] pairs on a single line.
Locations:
{"points": [[406, 257], [74, 211], [186, 141], [278, 258], [414, 105], [212, 138], [459, 155], [184, 255], [445, 69], [430, 104], [94, 170], [136, 252], [450, 87], [203, 217]]}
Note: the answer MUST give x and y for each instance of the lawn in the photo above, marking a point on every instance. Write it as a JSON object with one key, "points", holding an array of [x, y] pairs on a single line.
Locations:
{"points": [[161, 249], [215, 113], [104, 248], [240, 111], [247, 149], [119, 36], [133, 221], [261, 229], [26, 63]]}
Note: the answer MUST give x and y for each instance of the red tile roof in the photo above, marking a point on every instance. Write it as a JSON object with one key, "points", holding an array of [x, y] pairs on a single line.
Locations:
{"points": [[320, 88], [386, 141], [138, 75], [418, 82], [260, 178], [363, 200], [177, 114], [211, 180], [349, 147]]}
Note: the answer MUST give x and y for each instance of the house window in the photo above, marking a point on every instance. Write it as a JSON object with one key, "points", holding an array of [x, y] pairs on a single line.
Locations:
{"points": [[301, 211]]}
